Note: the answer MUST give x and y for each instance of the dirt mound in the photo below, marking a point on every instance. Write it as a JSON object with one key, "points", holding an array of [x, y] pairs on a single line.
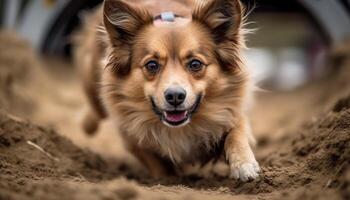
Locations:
{"points": [[304, 141], [30, 155]]}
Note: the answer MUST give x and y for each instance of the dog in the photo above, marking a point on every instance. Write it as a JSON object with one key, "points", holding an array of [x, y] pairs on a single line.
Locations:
{"points": [[171, 76]]}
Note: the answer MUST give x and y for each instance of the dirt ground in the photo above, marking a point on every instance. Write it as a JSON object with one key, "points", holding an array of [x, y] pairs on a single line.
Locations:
{"points": [[303, 140]]}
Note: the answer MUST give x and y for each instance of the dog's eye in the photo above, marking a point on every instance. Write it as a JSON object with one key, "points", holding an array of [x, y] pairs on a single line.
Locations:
{"points": [[195, 65], [152, 66]]}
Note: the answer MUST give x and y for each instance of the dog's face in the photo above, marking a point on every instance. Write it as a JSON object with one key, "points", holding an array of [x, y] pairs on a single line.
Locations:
{"points": [[170, 68], [176, 68]]}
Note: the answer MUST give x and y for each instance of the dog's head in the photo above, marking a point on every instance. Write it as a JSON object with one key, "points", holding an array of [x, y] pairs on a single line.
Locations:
{"points": [[169, 69]]}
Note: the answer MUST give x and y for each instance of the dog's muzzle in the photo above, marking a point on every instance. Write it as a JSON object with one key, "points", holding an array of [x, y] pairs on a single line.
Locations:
{"points": [[176, 117]]}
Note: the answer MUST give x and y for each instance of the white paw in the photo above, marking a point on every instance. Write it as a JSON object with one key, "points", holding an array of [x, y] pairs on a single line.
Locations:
{"points": [[245, 171]]}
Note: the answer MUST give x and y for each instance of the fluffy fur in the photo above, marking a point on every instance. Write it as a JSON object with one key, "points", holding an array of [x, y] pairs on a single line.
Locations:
{"points": [[112, 60]]}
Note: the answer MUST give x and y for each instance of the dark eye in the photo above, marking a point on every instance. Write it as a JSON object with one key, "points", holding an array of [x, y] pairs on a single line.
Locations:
{"points": [[152, 66], [195, 65]]}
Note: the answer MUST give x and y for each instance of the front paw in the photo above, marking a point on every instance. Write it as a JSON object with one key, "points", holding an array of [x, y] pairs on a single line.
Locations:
{"points": [[243, 170]]}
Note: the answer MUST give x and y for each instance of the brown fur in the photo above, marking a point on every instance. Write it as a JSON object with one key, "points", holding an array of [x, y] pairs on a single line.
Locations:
{"points": [[112, 59]]}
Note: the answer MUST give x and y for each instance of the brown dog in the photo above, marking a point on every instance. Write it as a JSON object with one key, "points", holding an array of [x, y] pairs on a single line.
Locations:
{"points": [[175, 85]]}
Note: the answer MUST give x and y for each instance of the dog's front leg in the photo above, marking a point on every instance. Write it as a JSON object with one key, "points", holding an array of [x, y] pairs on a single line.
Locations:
{"points": [[239, 154]]}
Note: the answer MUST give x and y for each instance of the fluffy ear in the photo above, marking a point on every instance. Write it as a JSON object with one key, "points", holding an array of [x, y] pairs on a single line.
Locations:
{"points": [[123, 21], [224, 19]]}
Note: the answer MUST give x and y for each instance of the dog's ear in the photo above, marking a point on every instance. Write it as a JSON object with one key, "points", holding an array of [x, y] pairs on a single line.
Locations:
{"points": [[122, 23], [224, 19]]}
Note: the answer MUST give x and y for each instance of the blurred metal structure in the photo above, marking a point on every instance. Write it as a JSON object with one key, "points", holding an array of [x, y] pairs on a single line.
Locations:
{"points": [[332, 16], [45, 23], [34, 20]]}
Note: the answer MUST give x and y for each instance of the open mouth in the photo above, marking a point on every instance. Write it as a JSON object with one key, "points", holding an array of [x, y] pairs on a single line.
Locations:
{"points": [[175, 117]]}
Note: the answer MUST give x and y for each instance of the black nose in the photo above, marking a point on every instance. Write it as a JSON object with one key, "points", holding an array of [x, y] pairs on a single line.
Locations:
{"points": [[175, 96]]}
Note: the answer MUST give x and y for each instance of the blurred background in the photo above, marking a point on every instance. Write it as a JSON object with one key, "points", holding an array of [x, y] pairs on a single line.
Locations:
{"points": [[289, 47]]}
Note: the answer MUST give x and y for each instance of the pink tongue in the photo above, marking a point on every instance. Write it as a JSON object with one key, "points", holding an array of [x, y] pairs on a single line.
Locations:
{"points": [[175, 117]]}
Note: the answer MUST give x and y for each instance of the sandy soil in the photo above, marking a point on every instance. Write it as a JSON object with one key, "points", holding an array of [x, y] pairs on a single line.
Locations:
{"points": [[303, 140]]}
